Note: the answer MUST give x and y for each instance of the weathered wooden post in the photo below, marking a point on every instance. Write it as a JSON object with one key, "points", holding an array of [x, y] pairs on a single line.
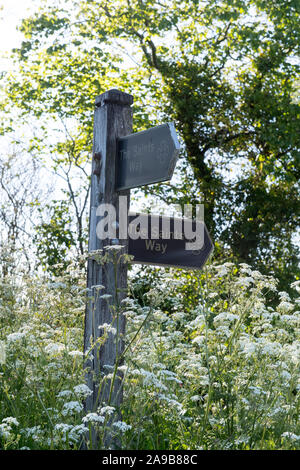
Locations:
{"points": [[112, 119], [121, 161]]}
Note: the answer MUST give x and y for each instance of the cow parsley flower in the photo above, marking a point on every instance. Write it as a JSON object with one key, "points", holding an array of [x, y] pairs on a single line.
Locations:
{"points": [[245, 281], [11, 420], [221, 270], [285, 306], [75, 353], [83, 390], [71, 408], [107, 328], [54, 349], [15, 336], [36, 433], [106, 296], [291, 436], [198, 340], [212, 295], [73, 433], [106, 410], [195, 398], [296, 285], [93, 418], [122, 426], [225, 317], [64, 394], [5, 430], [56, 285], [98, 287]]}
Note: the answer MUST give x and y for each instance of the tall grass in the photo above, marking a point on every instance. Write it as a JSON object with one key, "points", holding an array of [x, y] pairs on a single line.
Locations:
{"points": [[220, 374]]}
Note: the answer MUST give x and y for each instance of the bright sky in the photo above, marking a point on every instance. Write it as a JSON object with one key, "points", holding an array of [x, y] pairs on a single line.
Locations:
{"points": [[12, 11], [11, 14]]}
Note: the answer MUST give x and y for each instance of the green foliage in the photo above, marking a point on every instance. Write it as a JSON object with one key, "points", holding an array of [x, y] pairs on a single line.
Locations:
{"points": [[55, 238], [224, 72]]}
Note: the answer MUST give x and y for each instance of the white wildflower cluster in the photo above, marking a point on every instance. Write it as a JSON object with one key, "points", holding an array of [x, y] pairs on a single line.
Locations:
{"points": [[11, 421], [172, 402], [83, 391], [291, 436], [75, 354], [285, 306], [96, 255], [106, 297], [93, 418], [98, 287], [108, 328], [212, 295], [64, 394], [106, 410], [55, 349], [179, 316], [195, 398], [221, 270], [36, 433], [70, 433], [225, 318], [245, 268], [7, 427], [200, 340], [100, 417], [149, 379], [168, 375], [296, 285], [197, 323], [238, 345], [121, 426], [245, 281], [14, 337], [72, 407], [57, 285]]}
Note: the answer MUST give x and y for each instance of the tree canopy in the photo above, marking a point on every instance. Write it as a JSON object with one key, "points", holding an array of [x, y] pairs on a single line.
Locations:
{"points": [[224, 71]]}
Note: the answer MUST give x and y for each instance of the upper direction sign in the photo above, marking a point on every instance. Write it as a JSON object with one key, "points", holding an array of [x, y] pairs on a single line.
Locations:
{"points": [[146, 157]]}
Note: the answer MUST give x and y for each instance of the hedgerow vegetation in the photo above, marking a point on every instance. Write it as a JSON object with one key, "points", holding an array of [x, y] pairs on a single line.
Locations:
{"points": [[220, 374]]}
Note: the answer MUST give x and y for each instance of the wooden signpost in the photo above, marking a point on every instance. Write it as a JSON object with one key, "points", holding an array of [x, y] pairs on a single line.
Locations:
{"points": [[121, 161], [112, 119]]}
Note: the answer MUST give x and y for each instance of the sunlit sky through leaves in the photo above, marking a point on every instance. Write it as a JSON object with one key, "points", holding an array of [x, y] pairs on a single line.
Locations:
{"points": [[12, 12]]}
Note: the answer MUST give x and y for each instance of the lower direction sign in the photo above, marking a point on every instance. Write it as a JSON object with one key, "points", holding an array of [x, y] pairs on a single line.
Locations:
{"points": [[168, 241]]}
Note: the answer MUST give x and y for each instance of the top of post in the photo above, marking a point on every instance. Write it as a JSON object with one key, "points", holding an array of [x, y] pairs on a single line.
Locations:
{"points": [[114, 96]]}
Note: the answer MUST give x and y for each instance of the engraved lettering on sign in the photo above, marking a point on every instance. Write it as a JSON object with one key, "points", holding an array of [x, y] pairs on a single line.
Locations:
{"points": [[135, 166], [155, 246], [146, 157], [124, 155], [162, 151]]}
